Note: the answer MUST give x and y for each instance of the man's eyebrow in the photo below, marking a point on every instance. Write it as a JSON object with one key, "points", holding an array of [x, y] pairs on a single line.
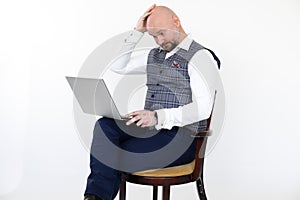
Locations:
{"points": [[157, 33]]}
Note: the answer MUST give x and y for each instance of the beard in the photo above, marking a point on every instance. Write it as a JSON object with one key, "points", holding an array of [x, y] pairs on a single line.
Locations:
{"points": [[169, 46]]}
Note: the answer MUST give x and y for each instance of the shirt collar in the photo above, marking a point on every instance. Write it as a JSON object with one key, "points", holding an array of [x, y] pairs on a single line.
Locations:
{"points": [[185, 43]]}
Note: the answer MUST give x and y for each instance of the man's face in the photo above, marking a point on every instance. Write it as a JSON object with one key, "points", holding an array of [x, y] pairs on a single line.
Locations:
{"points": [[167, 39]]}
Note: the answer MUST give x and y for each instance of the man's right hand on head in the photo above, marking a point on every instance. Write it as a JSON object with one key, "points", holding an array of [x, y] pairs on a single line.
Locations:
{"points": [[141, 25]]}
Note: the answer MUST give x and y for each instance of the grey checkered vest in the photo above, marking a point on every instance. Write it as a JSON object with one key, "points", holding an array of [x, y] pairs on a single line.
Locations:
{"points": [[168, 81]]}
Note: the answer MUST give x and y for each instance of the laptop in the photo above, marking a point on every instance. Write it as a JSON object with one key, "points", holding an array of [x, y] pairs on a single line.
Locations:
{"points": [[94, 97]]}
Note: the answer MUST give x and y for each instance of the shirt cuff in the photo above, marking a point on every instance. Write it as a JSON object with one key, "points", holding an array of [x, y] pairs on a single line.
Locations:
{"points": [[133, 37], [161, 120]]}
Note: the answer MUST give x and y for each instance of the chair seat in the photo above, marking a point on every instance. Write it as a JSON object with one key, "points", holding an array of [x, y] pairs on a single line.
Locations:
{"points": [[180, 170]]}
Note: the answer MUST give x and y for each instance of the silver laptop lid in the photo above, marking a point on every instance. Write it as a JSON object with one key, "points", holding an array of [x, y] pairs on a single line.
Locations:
{"points": [[94, 97]]}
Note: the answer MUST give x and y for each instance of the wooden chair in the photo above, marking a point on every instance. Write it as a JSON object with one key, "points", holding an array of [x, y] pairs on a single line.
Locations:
{"points": [[166, 177]]}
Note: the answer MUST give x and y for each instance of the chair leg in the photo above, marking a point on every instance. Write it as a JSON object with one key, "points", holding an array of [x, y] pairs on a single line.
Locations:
{"points": [[200, 189], [123, 190], [155, 188], [166, 192]]}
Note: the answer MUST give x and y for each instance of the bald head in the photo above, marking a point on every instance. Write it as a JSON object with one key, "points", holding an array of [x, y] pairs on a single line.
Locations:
{"points": [[164, 25], [162, 17]]}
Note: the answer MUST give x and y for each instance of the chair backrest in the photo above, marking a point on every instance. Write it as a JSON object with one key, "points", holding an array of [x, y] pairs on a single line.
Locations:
{"points": [[201, 137]]}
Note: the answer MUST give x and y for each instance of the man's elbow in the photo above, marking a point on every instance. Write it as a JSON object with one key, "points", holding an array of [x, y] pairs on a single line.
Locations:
{"points": [[206, 110]]}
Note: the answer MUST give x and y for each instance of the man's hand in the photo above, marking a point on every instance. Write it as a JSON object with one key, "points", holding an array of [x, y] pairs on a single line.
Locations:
{"points": [[143, 118], [141, 25]]}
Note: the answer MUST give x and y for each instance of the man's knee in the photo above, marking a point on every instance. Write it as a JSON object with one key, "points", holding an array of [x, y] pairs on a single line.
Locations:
{"points": [[105, 123], [102, 124]]}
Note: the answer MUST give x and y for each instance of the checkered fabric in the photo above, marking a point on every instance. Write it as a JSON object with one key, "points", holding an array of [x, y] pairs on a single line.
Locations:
{"points": [[168, 81]]}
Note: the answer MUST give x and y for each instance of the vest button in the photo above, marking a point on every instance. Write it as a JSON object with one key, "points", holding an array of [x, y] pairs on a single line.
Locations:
{"points": [[157, 84], [152, 95], [160, 71]]}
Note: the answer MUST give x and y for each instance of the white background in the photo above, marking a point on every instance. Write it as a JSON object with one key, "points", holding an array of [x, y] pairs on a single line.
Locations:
{"points": [[258, 42]]}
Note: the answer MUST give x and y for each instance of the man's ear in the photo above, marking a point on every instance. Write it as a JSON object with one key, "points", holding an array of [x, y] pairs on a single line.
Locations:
{"points": [[176, 21]]}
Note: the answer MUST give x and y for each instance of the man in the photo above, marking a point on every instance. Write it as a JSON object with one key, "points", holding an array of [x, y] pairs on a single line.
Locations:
{"points": [[176, 97]]}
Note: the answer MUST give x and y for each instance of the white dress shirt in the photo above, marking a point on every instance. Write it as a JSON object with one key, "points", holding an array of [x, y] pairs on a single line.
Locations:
{"points": [[135, 62]]}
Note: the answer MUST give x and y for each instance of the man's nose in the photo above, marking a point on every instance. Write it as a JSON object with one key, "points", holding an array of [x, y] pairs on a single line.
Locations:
{"points": [[160, 40]]}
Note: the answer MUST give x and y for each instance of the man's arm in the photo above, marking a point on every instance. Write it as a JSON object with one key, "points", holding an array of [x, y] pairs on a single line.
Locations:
{"points": [[130, 62], [201, 105]]}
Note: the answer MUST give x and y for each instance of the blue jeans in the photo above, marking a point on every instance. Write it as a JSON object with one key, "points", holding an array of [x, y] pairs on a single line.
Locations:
{"points": [[113, 140]]}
